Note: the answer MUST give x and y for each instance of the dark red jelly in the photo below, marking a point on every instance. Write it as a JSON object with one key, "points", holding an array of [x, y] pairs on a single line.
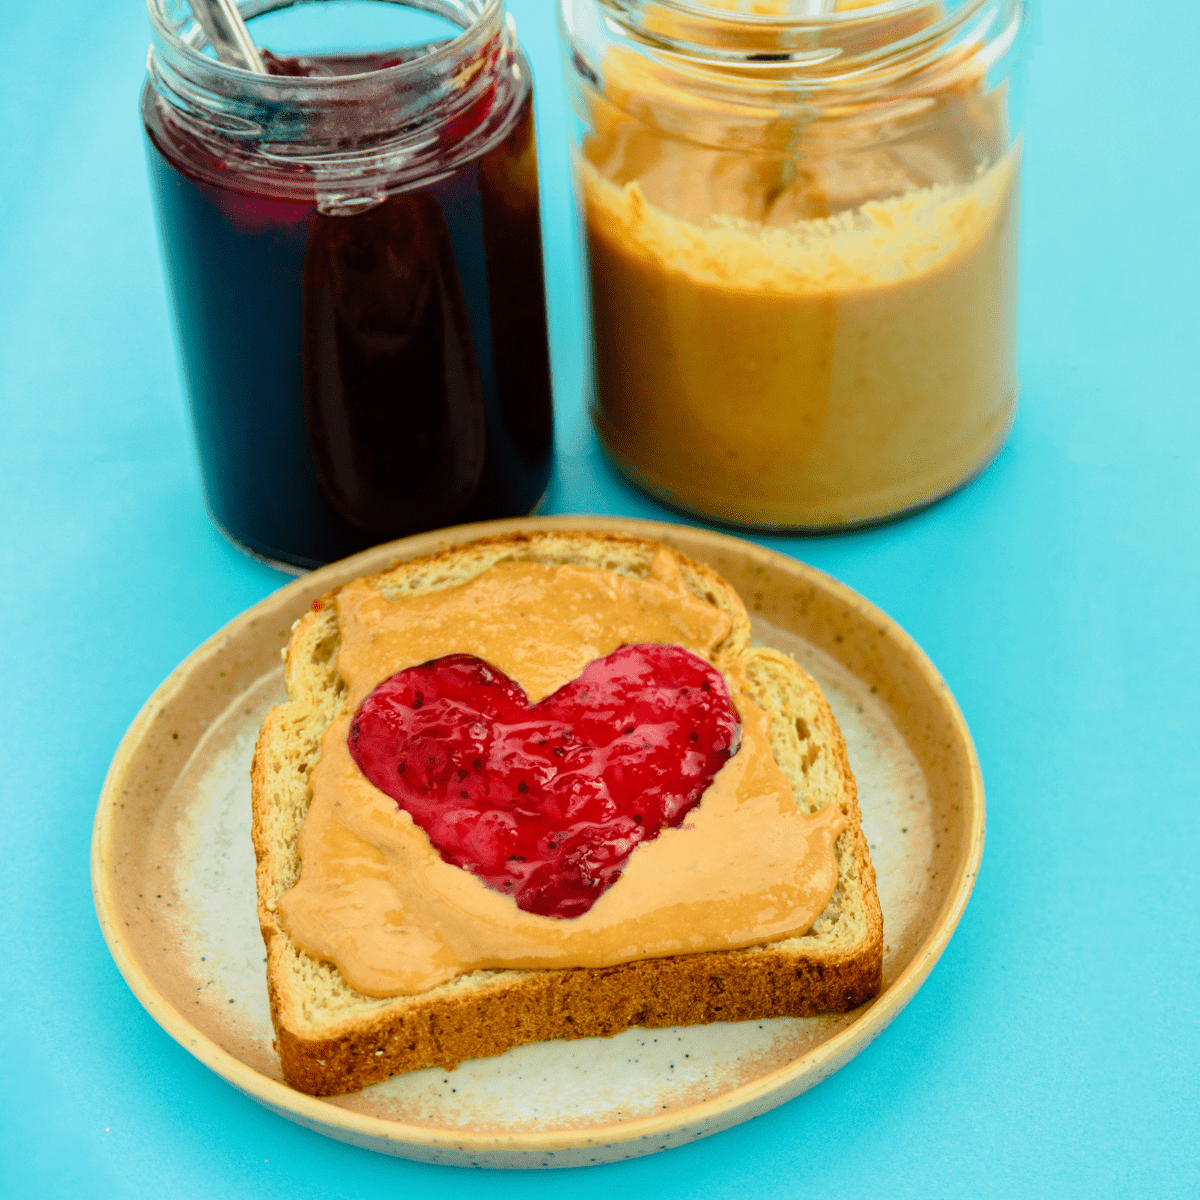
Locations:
{"points": [[547, 802], [356, 376]]}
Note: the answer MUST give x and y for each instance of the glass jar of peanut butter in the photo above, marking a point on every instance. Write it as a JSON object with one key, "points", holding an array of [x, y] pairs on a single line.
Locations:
{"points": [[800, 219]]}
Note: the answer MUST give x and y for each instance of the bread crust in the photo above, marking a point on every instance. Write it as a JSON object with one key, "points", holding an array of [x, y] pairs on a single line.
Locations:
{"points": [[331, 1040]]}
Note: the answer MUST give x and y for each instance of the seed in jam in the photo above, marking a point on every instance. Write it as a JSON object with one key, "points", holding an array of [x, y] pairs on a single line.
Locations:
{"points": [[640, 735]]}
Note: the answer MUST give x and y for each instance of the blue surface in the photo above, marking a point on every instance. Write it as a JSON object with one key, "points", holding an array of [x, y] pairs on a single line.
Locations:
{"points": [[1053, 1051]]}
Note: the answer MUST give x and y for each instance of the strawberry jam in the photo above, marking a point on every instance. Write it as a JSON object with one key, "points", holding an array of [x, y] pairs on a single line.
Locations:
{"points": [[365, 356], [546, 802]]}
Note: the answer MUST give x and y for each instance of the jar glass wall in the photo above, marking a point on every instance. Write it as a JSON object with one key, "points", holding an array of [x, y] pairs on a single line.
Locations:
{"points": [[352, 247], [801, 240]]}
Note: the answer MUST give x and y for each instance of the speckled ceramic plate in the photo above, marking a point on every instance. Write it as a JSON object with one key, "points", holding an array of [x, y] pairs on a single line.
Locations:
{"points": [[173, 877]]}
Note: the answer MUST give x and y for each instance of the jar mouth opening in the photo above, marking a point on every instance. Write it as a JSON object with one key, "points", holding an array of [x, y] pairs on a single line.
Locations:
{"points": [[769, 42], [711, 10], [176, 26]]}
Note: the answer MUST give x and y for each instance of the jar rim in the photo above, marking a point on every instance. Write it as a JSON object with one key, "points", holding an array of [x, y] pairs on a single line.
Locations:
{"points": [[382, 126], [867, 12], [853, 56], [840, 42], [479, 30]]}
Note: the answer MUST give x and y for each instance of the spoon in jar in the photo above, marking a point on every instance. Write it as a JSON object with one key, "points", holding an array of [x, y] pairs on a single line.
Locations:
{"points": [[227, 34]]}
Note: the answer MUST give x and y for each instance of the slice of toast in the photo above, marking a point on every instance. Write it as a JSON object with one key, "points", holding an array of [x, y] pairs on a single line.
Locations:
{"points": [[332, 1039]]}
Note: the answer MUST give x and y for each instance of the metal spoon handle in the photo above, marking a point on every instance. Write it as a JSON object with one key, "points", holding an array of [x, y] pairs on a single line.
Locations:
{"points": [[227, 34]]}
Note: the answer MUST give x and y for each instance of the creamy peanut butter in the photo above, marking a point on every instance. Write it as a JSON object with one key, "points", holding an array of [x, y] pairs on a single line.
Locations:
{"points": [[801, 323], [376, 898]]}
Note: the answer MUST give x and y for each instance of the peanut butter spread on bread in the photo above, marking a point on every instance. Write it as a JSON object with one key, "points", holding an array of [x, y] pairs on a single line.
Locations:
{"points": [[376, 899]]}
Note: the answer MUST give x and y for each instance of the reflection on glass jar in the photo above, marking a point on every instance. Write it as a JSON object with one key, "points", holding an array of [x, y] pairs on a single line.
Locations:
{"points": [[802, 242], [353, 251]]}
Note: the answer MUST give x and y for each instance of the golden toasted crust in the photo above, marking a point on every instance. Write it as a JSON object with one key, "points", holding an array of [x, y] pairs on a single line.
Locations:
{"points": [[333, 1040]]}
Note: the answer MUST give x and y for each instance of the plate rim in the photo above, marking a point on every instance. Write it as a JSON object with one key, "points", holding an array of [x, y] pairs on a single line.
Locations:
{"points": [[712, 1114]]}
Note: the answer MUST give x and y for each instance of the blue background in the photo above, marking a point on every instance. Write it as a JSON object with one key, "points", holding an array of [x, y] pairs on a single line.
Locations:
{"points": [[1053, 1051]]}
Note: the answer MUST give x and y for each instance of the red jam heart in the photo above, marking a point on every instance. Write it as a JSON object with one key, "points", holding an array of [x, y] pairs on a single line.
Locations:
{"points": [[546, 802]]}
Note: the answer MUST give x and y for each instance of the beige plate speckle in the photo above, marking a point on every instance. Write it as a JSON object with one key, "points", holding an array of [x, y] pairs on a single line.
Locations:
{"points": [[173, 878]]}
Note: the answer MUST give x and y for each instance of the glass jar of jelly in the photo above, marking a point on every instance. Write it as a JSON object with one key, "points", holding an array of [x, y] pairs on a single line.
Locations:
{"points": [[801, 236], [353, 253]]}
